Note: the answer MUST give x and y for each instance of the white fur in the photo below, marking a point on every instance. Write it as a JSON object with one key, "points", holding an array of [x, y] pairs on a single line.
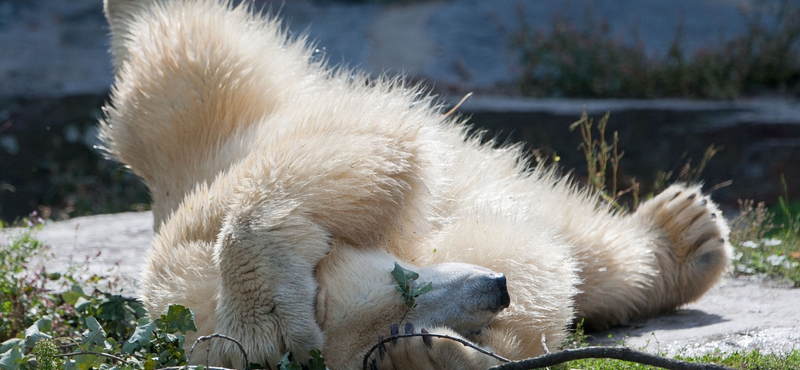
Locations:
{"points": [[283, 193]]}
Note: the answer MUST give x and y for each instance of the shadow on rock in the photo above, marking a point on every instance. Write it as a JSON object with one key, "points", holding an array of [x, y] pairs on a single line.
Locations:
{"points": [[680, 319]]}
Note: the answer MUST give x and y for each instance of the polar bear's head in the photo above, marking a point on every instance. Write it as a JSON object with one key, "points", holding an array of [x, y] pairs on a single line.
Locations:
{"points": [[357, 299]]}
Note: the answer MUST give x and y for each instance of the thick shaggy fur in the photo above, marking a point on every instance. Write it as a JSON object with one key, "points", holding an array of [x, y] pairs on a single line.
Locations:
{"points": [[283, 192]]}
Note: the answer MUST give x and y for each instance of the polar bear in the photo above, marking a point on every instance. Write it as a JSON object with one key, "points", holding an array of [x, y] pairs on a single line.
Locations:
{"points": [[285, 191]]}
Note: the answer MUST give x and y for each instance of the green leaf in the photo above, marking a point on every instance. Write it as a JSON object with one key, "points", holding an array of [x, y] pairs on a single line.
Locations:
{"points": [[416, 292], [287, 363], [112, 308], [178, 318], [33, 333], [95, 335], [84, 362], [44, 324], [149, 364], [316, 362], [81, 304], [399, 275], [405, 279], [11, 359], [141, 336], [9, 344], [71, 296]]}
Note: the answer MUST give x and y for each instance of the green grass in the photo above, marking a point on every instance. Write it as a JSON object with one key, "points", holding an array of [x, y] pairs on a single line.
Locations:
{"points": [[745, 360], [585, 60]]}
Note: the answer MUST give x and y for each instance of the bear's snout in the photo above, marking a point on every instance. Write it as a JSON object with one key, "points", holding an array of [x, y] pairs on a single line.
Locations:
{"points": [[502, 300]]}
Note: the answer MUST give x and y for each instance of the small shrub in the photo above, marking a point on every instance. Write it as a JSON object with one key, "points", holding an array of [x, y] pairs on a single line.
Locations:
{"points": [[42, 329], [584, 60]]}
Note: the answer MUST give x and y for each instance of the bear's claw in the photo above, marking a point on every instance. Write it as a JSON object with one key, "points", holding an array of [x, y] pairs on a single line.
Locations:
{"points": [[426, 339], [420, 353], [394, 331]]}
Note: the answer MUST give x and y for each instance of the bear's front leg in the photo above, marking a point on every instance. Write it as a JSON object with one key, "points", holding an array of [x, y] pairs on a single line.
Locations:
{"points": [[428, 352], [267, 251]]}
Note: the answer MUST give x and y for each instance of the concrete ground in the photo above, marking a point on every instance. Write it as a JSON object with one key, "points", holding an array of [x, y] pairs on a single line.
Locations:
{"points": [[738, 314]]}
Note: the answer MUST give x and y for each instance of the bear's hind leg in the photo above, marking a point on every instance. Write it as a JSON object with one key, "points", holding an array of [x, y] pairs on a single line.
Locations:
{"points": [[666, 254]]}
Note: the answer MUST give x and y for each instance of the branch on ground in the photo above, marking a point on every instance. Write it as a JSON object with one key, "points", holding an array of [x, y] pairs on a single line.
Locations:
{"points": [[556, 358]]}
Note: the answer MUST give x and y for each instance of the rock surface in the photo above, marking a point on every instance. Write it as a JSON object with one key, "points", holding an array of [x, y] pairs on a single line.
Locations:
{"points": [[112, 243], [738, 314]]}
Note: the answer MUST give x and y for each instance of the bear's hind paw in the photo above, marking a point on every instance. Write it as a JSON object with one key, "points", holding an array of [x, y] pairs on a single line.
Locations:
{"points": [[692, 246], [690, 220]]}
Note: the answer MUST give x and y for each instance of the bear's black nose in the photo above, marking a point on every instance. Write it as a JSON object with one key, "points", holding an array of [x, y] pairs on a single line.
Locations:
{"points": [[502, 300]]}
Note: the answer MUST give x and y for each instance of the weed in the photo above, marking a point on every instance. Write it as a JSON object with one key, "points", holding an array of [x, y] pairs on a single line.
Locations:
{"points": [[599, 154], [687, 174], [316, 362], [763, 246], [577, 338]]}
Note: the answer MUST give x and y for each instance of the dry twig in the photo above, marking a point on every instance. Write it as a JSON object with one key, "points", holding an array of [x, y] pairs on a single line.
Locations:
{"points": [[214, 336], [618, 353], [551, 359], [115, 358]]}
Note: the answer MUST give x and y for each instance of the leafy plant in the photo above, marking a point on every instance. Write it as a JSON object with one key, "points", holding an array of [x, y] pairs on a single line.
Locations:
{"points": [[20, 288], [405, 285], [75, 330]]}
